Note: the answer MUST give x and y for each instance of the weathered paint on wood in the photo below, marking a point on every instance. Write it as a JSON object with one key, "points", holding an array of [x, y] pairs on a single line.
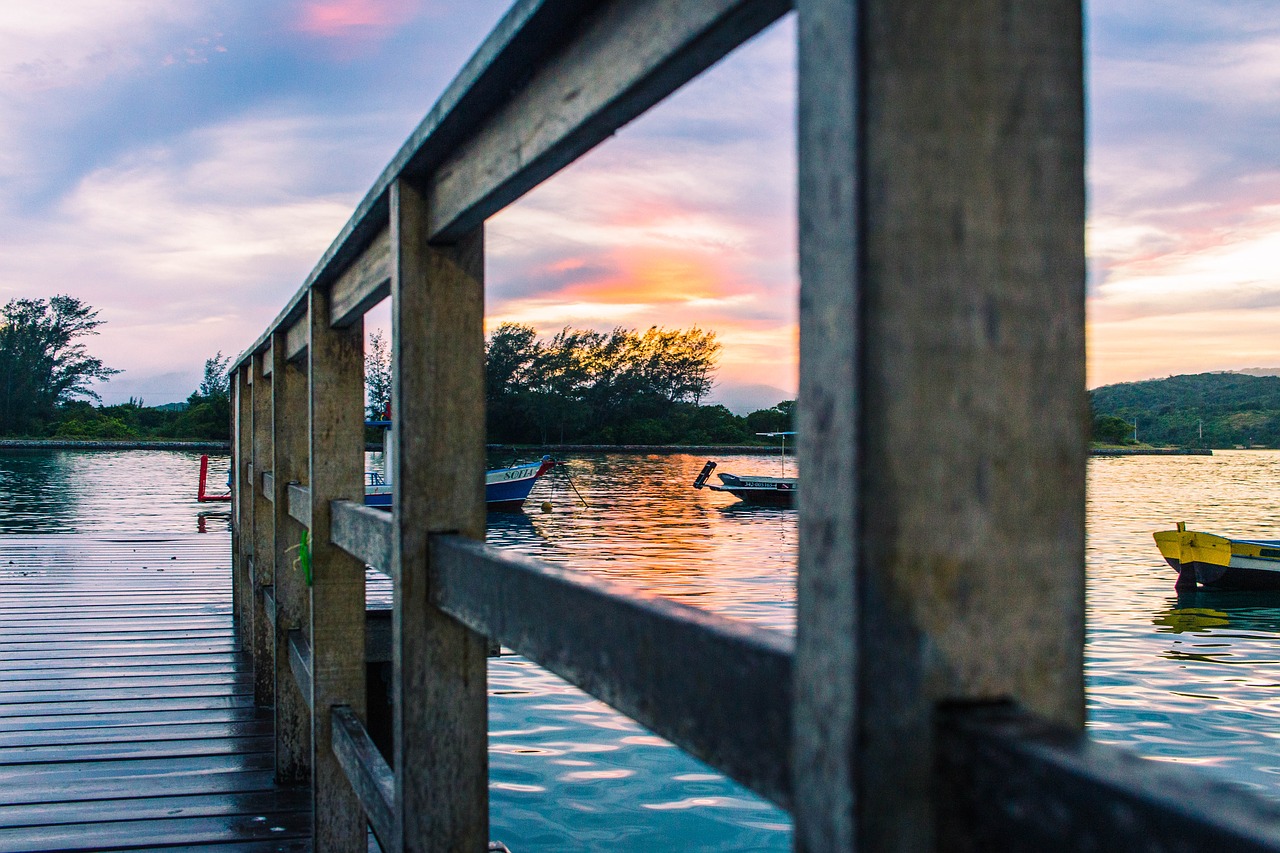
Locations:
{"points": [[942, 392], [337, 626], [440, 706], [289, 438]]}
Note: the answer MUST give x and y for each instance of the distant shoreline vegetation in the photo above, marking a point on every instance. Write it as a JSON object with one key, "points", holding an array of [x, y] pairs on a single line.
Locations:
{"points": [[46, 376], [582, 387], [578, 387], [1212, 410]]}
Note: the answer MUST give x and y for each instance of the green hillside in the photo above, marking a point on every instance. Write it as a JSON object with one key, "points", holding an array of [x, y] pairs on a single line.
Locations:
{"points": [[1234, 408]]}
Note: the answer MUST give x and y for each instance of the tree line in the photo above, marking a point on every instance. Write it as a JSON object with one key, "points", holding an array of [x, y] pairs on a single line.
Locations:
{"points": [[47, 376], [1220, 410], [587, 387], [578, 386]]}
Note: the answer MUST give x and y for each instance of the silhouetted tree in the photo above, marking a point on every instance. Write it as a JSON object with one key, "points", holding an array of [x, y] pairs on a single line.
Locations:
{"points": [[42, 362], [377, 376]]}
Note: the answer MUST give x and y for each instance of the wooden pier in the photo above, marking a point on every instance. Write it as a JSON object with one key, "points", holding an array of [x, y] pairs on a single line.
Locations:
{"points": [[933, 697], [127, 717]]}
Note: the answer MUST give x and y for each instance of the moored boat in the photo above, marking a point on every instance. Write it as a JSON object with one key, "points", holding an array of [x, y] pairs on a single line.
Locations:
{"points": [[505, 489], [1220, 562], [769, 491]]}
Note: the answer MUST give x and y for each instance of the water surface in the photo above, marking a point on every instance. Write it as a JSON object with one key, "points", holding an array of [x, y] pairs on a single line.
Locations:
{"points": [[1191, 678]]}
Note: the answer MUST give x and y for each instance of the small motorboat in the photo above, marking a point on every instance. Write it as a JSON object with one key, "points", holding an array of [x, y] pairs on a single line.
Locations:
{"points": [[768, 491], [1220, 562], [505, 489]]}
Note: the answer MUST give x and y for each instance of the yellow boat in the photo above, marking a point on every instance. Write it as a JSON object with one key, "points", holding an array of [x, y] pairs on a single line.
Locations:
{"points": [[1220, 562]]}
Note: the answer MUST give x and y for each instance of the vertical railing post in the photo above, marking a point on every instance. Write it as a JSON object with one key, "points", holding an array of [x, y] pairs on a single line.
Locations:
{"points": [[942, 393], [440, 713], [289, 418], [336, 381], [242, 501], [264, 557]]}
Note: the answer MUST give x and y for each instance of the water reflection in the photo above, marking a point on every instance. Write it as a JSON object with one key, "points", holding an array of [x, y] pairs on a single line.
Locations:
{"points": [[34, 493], [1189, 677]]}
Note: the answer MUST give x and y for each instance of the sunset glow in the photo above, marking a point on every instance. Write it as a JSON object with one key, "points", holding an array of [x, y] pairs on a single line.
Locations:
{"points": [[182, 165]]}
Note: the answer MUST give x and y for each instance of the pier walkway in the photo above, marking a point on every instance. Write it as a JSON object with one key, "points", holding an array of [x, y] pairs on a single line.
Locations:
{"points": [[127, 717]]}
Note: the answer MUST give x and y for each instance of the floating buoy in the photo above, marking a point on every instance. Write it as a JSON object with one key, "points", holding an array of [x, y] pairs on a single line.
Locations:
{"points": [[546, 506]]}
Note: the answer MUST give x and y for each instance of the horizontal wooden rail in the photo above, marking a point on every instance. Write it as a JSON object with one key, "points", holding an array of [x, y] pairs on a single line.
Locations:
{"points": [[363, 532], [370, 775], [543, 89], [365, 283], [269, 603], [1015, 782], [296, 339], [691, 676], [300, 663], [300, 504], [268, 486]]}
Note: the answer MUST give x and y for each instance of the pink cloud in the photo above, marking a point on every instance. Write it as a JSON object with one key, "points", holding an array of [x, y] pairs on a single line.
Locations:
{"points": [[346, 18]]}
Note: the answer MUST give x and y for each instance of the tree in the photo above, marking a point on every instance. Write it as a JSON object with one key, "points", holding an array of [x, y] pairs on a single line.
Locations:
{"points": [[217, 377], [208, 413], [42, 362], [1112, 430], [377, 376]]}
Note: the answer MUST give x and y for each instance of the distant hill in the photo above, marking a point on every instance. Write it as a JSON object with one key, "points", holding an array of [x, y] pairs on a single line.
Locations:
{"points": [[1233, 408]]}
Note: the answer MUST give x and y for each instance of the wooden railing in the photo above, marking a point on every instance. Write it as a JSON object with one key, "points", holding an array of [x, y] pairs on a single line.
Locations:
{"points": [[933, 696]]}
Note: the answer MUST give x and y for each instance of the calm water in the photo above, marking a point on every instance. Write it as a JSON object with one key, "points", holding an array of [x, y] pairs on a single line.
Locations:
{"points": [[1190, 678]]}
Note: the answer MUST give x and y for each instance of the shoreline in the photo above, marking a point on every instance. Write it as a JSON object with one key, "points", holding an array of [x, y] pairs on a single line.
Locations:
{"points": [[1150, 451], [111, 444]]}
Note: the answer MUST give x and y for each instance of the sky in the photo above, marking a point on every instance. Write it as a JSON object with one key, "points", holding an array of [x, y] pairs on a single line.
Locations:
{"points": [[181, 165]]}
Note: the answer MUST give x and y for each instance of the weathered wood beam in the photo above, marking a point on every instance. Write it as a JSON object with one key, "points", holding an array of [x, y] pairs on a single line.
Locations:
{"points": [[336, 383], [290, 427], [269, 608], [296, 339], [263, 646], [300, 504], [690, 676], [624, 59], [269, 486], [267, 360], [363, 532], [440, 705], [368, 772], [1011, 781], [942, 407], [242, 501], [364, 284], [300, 666]]}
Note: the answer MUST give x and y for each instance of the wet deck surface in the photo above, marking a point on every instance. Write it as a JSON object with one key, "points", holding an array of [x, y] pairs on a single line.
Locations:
{"points": [[126, 706]]}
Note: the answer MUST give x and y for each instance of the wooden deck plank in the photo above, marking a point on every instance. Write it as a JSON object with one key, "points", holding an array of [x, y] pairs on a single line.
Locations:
{"points": [[150, 717], [147, 808], [115, 835], [134, 734], [126, 703]]}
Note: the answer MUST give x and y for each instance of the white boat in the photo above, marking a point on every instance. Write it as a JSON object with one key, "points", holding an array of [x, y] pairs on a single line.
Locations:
{"points": [[769, 491]]}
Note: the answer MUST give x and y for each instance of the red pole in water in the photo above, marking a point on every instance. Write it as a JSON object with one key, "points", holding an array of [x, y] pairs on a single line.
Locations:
{"points": [[204, 474]]}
